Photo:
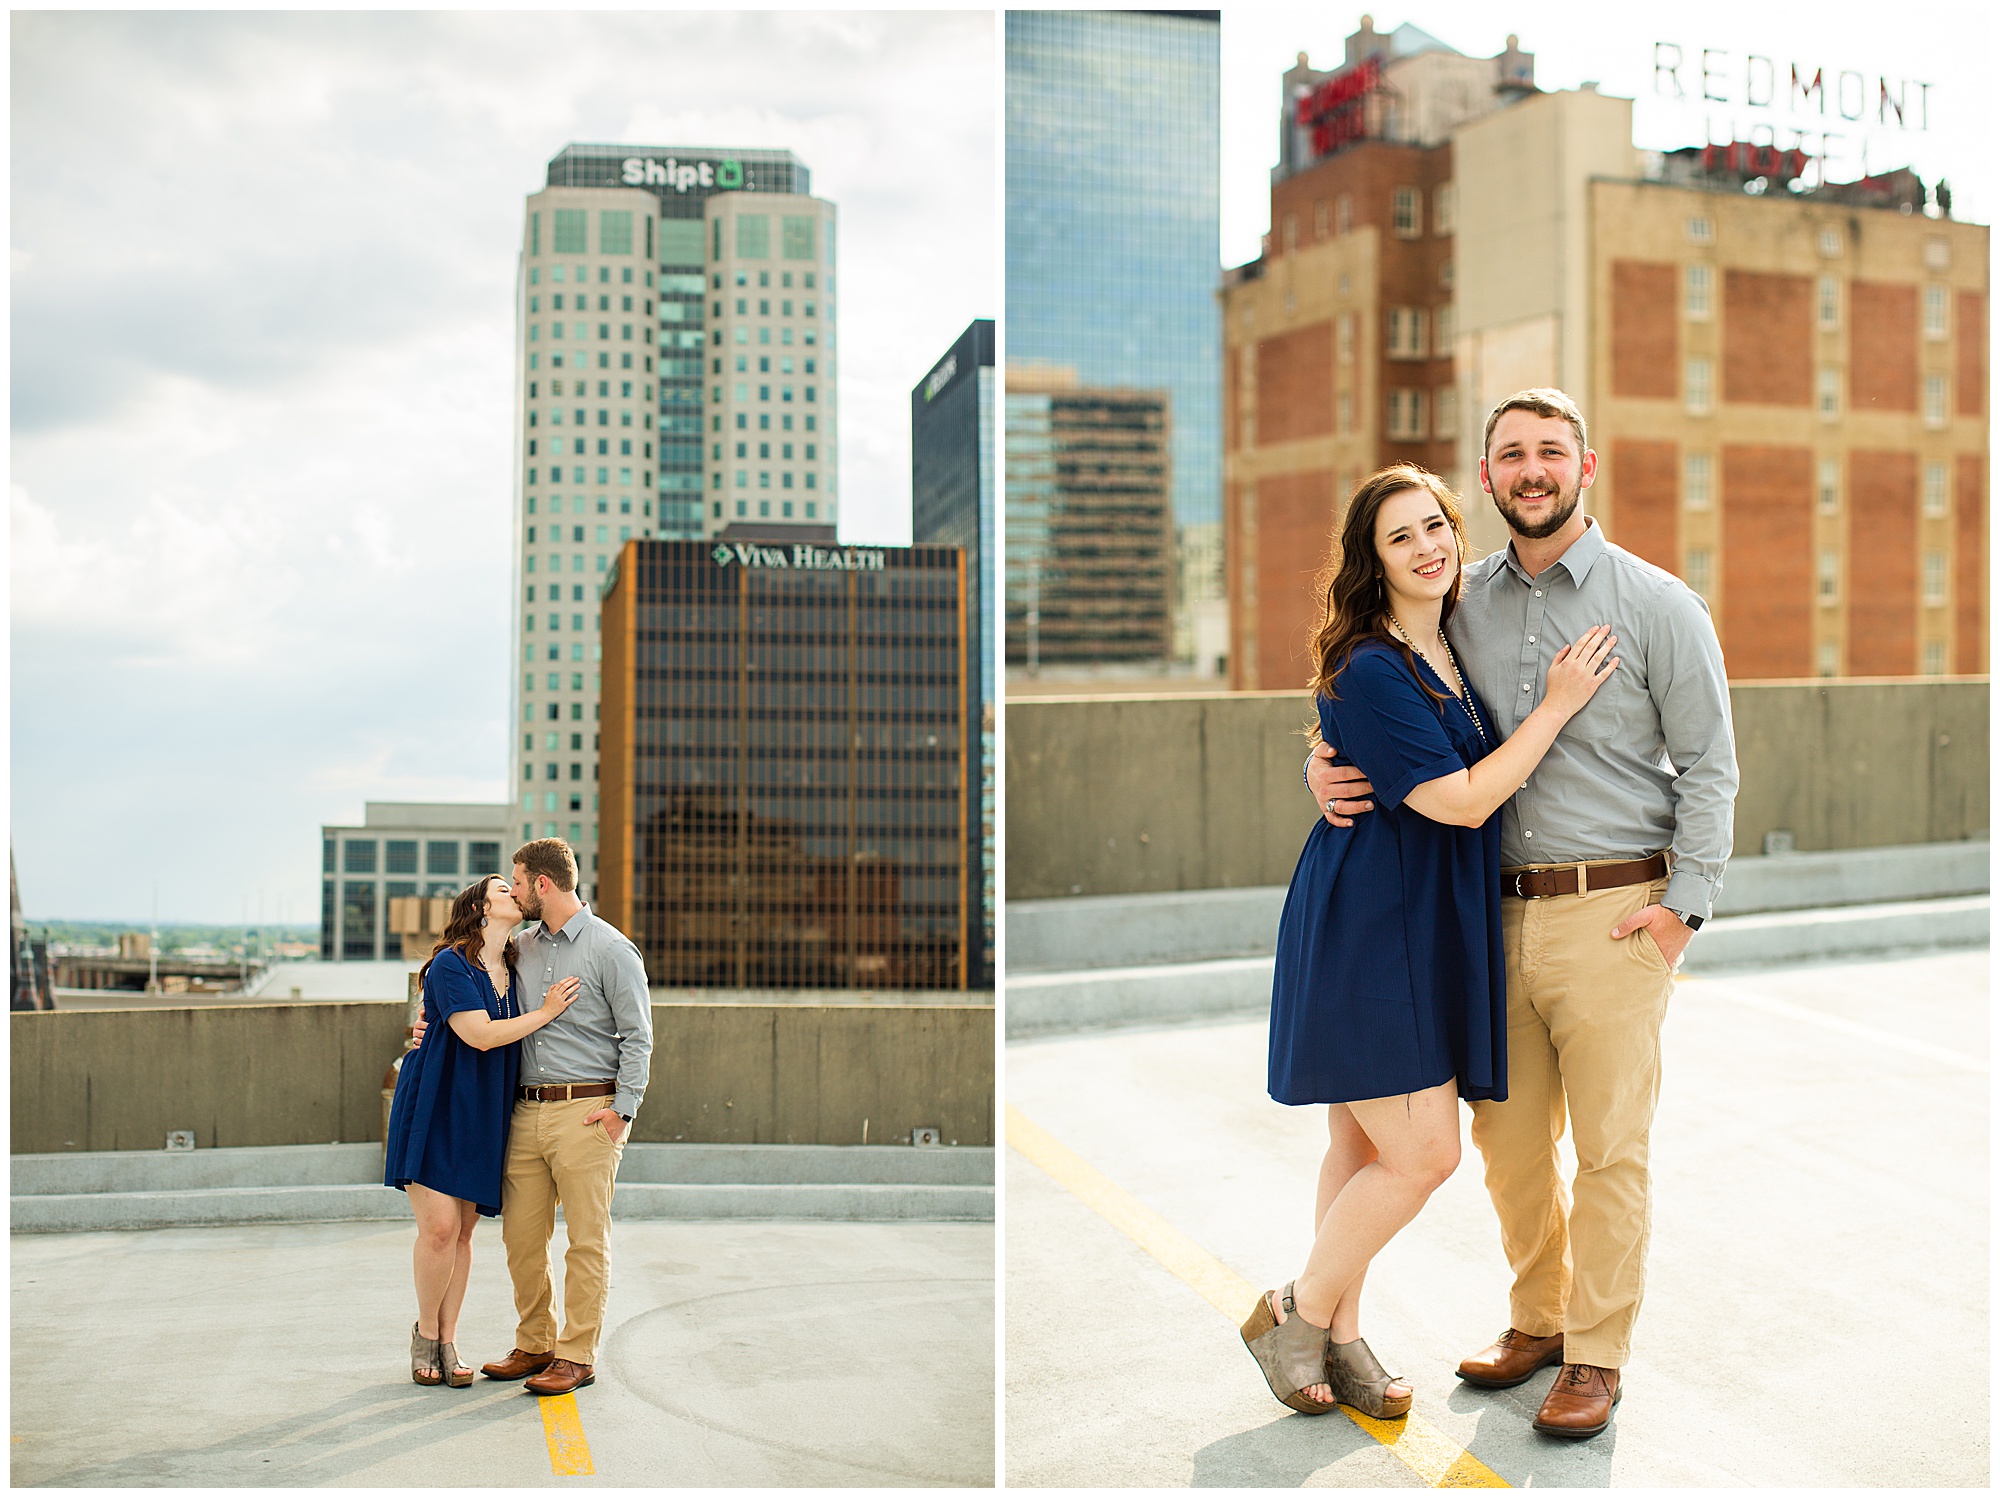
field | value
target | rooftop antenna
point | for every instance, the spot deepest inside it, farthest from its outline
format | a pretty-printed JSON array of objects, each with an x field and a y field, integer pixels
[{"x": 153, "y": 945}]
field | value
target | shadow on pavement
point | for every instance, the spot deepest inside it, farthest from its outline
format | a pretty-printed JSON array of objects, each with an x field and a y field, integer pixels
[
  {"x": 1282, "y": 1454},
  {"x": 315, "y": 1448}
]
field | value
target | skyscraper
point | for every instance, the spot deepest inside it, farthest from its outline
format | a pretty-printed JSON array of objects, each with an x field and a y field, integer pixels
[
  {"x": 1114, "y": 238},
  {"x": 674, "y": 376},
  {"x": 951, "y": 503}
]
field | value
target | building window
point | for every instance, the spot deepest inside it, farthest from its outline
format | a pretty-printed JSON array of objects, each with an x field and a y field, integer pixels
[
  {"x": 1829, "y": 658},
  {"x": 360, "y": 857},
  {"x": 1699, "y": 300},
  {"x": 1291, "y": 232},
  {"x": 1701, "y": 230},
  {"x": 1698, "y": 482},
  {"x": 1407, "y": 214},
  {"x": 1831, "y": 242},
  {"x": 1934, "y": 313},
  {"x": 357, "y": 916},
  {"x": 399, "y": 857},
  {"x": 1937, "y": 253},
  {"x": 1447, "y": 412},
  {"x": 1347, "y": 410},
  {"x": 1406, "y": 332},
  {"x": 1444, "y": 210},
  {"x": 1406, "y": 415},
  {"x": 569, "y": 232},
  {"x": 1933, "y": 657},
  {"x": 1322, "y": 219},
  {"x": 1344, "y": 337},
  {"x": 1699, "y": 562},
  {"x": 1829, "y": 578},
  {"x": 440, "y": 858},
  {"x": 1937, "y": 499},
  {"x": 1343, "y": 214},
  {"x": 1829, "y": 304},
  {"x": 1441, "y": 336},
  {"x": 1935, "y": 397},
  {"x": 1934, "y": 579},
  {"x": 1699, "y": 396},
  {"x": 1829, "y": 486},
  {"x": 1829, "y": 393}
]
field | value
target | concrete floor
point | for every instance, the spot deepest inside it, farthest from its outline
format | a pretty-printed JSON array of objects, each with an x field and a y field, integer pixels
[
  {"x": 1817, "y": 1306},
  {"x": 737, "y": 1354}
]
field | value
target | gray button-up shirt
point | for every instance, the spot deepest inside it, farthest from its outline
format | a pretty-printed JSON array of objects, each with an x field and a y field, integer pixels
[
  {"x": 607, "y": 1033},
  {"x": 1650, "y": 761}
]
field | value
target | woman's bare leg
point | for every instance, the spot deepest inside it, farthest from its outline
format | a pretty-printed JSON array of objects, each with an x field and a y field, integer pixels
[
  {"x": 461, "y": 1270},
  {"x": 1347, "y": 1150},
  {"x": 1415, "y": 1139},
  {"x": 436, "y": 1252}
]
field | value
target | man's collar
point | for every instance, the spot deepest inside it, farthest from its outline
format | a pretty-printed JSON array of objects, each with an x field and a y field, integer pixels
[
  {"x": 1581, "y": 556},
  {"x": 570, "y": 927}
]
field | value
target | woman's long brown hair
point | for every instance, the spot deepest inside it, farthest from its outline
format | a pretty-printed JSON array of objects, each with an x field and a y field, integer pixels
[
  {"x": 462, "y": 928},
  {"x": 1356, "y": 598}
]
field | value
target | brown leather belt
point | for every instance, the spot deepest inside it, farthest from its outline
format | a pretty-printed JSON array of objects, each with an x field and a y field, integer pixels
[
  {"x": 1576, "y": 878},
  {"x": 562, "y": 1092}
]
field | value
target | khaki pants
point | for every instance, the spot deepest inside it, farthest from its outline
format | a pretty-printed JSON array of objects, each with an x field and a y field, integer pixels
[
  {"x": 1583, "y": 1033},
  {"x": 554, "y": 1156}
]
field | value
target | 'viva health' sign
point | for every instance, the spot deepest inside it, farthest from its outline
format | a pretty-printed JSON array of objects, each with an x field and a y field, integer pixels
[
  {"x": 799, "y": 557},
  {"x": 681, "y": 176}
]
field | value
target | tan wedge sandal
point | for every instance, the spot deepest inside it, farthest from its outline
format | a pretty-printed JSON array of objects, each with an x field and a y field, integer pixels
[
  {"x": 456, "y": 1374},
  {"x": 1291, "y": 1352},
  {"x": 424, "y": 1358},
  {"x": 1360, "y": 1382}
]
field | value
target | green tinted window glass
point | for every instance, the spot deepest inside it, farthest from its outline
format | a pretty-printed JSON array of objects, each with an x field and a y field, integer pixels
[
  {"x": 680, "y": 241},
  {"x": 799, "y": 233},
  {"x": 326, "y": 856},
  {"x": 482, "y": 858},
  {"x": 753, "y": 236},
  {"x": 614, "y": 231},
  {"x": 718, "y": 240},
  {"x": 440, "y": 858},
  {"x": 649, "y": 237},
  {"x": 361, "y": 858},
  {"x": 569, "y": 231},
  {"x": 400, "y": 857},
  {"x": 534, "y": 234}
]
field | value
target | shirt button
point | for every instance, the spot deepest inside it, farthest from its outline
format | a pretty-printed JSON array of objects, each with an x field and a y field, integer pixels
[
  {"x": 1531, "y": 639},
  {"x": 1538, "y": 592},
  {"x": 1524, "y": 686},
  {"x": 1527, "y": 834}
]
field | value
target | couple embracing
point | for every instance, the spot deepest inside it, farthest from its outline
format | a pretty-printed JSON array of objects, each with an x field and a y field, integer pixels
[
  {"x": 508, "y": 1110},
  {"x": 1527, "y": 774}
]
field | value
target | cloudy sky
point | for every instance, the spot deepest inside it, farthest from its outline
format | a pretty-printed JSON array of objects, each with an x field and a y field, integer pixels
[{"x": 263, "y": 269}]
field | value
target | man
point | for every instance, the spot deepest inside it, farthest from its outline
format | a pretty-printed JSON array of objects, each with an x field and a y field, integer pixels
[
  {"x": 582, "y": 1078},
  {"x": 1640, "y": 783}
]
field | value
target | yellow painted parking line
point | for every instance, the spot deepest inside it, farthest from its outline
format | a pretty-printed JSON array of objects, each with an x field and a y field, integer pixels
[
  {"x": 1427, "y": 1451},
  {"x": 562, "y": 1424}
]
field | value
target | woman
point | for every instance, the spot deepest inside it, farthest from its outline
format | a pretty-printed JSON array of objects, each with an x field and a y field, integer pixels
[
  {"x": 454, "y": 1097},
  {"x": 1389, "y": 1001}
]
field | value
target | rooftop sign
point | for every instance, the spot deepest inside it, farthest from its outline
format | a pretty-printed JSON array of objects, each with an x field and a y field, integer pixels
[{"x": 799, "y": 557}]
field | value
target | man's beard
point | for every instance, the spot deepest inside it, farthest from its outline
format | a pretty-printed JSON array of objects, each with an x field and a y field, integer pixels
[
  {"x": 1560, "y": 510},
  {"x": 531, "y": 907}
]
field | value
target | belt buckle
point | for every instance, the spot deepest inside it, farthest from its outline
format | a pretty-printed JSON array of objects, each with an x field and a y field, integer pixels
[{"x": 1523, "y": 894}]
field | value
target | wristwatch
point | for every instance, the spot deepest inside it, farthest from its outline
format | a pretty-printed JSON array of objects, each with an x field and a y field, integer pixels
[{"x": 1692, "y": 922}]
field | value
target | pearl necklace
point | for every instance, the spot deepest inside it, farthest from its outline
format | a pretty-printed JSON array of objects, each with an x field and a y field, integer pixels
[{"x": 1464, "y": 692}]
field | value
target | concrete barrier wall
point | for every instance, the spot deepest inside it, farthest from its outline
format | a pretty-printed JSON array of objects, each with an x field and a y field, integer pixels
[
  {"x": 1129, "y": 795},
  {"x": 312, "y": 1074}
]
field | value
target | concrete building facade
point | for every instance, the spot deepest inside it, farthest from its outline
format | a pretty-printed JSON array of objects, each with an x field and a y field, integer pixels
[
  {"x": 674, "y": 375},
  {"x": 1778, "y": 380},
  {"x": 402, "y": 849}
]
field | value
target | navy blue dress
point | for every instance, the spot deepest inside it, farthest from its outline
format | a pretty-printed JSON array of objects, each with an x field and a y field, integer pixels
[
  {"x": 448, "y": 1123},
  {"x": 1390, "y": 973}
]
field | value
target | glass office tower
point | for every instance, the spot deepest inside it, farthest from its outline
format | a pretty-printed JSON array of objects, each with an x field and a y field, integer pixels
[
  {"x": 951, "y": 504},
  {"x": 1114, "y": 229}
]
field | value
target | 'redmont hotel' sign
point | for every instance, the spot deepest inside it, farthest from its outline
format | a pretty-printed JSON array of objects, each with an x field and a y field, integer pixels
[{"x": 799, "y": 557}]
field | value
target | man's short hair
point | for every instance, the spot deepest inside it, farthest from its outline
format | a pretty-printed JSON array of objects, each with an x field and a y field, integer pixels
[
  {"x": 1543, "y": 401},
  {"x": 551, "y": 856}
]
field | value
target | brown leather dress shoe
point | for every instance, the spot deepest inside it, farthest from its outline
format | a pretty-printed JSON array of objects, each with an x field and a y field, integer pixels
[
  {"x": 1580, "y": 1402},
  {"x": 1512, "y": 1360},
  {"x": 562, "y": 1377},
  {"x": 518, "y": 1364}
]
